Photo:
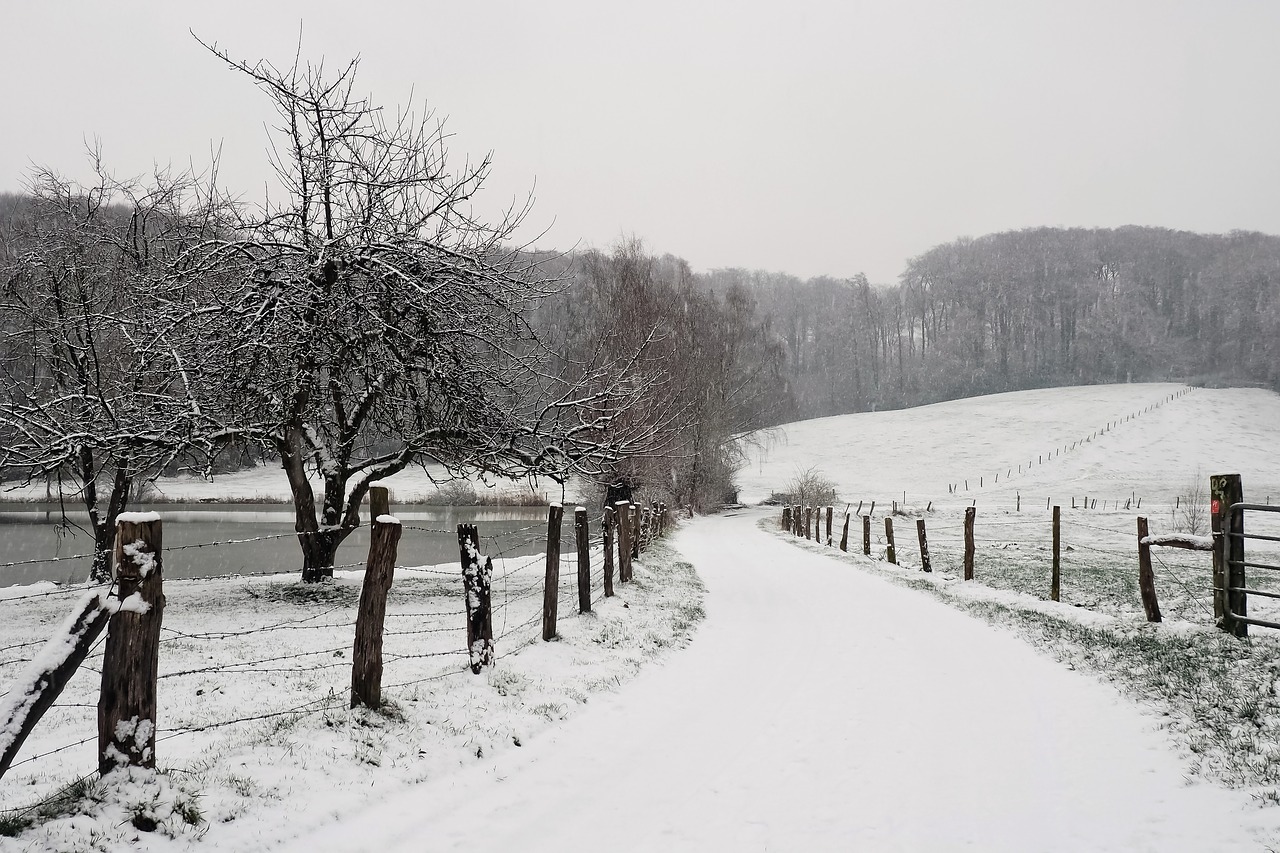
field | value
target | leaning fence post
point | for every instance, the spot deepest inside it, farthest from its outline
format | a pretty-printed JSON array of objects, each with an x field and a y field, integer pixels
[
  {"x": 890, "y": 553},
  {"x": 624, "y": 541},
  {"x": 366, "y": 655},
  {"x": 924, "y": 546},
  {"x": 583, "y": 534},
  {"x": 606, "y": 533},
  {"x": 551, "y": 589},
  {"x": 830, "y": 510},
  {"x": 866, "y": 535},
  {"x": 131, "y": 660},
  {"x": 844, "y": 534},
  {"x": 1146, "y": 578},
  {"x": 969, "y": 513},
  {"x": 1055, "y": 584},
  {"x": 477, "y": 583}
]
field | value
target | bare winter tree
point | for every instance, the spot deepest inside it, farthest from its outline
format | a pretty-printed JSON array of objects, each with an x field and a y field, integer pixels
[
  {"x": 91, "y": 393},
  {"x": 369, "y": 320}
]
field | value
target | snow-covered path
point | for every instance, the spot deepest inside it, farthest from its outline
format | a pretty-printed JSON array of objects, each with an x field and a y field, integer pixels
[{"x": 820, "y": 708}]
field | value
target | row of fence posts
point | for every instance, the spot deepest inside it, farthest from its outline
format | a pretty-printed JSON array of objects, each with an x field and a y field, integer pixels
[
  {"x": 807, "y": 522},
  {"x": 132, "y": 617}
]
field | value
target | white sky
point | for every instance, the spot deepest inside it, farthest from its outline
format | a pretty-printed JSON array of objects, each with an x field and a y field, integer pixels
[{"x": 806, "y": 137}]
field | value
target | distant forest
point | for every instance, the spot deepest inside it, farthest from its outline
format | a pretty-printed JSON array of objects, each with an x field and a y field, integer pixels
[{"x": 1027, "y": 309}]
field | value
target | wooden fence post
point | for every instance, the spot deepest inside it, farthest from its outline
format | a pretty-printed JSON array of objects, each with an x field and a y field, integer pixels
[
  {"x": 969, "y": 513},
  {"x": 379, "y": 569},
  {"x": 844, "y": 534},
  {"x": 830, "y": 510},
  {"x": 635, "y": 536},
  {"x": 379, "y": 502},
  {"x": 1055, "y": 584},
  {"x": 583, "y": 534},
  {"x": 924, "y": 546},
  {"x": 1146, "y": 578},
  {"x": 786, "y": 518},
  {"x": 551, "y": 587},
  {"x": 1225, "y": 490},
  {"x": 890, "y": 553},
  {"x": 131, "y": 660},
  {"x": 477, "y": 582},
  {"x": 606, "y": 532},
  {"x": 808, "y": 522},
  {"x": 866, "y": 535},
  {"x": 624, "y": 541}
]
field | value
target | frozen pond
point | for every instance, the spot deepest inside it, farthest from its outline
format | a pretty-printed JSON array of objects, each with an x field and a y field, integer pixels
[{"x": 30, "y": 532}]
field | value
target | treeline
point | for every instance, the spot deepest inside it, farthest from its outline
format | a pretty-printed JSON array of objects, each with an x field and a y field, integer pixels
[{"x": 1029, "y": 309}]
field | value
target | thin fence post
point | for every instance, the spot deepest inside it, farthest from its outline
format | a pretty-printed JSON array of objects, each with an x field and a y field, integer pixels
[
  {"x": 624, "y": 541},
  {"x": 844, "y": 534},
  {"x": 583, "y": 534},
  {"x": 551, "y": 587},
  {"x": 1055, "y": 584},
  {"x": 969, "y": 513},
  {"x": 379, "y": 570},
  {"x": 866, "y": 535},
  {"x": 131, "y": 660},
  {"x": 830, "y": 510},
  {"x": 1146, "y": 578},
  {"x": 890, "y": 552},
  {"x": 606, "y": 533},
  {"x": 924, "y": 546},
  {"x": 477, "y": 581}
]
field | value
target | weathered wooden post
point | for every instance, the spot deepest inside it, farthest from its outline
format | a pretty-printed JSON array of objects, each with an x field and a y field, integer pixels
[
  {"x": 969, "y": 513},
  {"x": 1226, "y": 490},
  {"x": 830, "y": 511},
  {"x": 1146, "y": 578},
  {"x": 786, "y": 518},
  {"x": 551, "y": 587},
  {"x": 477, "y": 582},
  {"x": 131, "y": 660},
  {"x": 366, "y": 653},
  {"x": 646, "y": 527},
  {"x": 844, "y": 534},
  {"x": 606, "y": 532},
  {"x": 635, "y": 536},
  {"x": 1055, "y": 584},
  {"x": 583, "y": 534},
  {"x": 808, "y": 522},
  {"x": 890, "y": 553},
  {"x": 924, "y": 546},
  {"x": 624, "y": 541},
  {"x": 866, "y": 535},
  {"x": 379, "y": 502}
]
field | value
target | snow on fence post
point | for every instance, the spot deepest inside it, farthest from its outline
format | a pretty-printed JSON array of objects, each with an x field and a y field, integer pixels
[
  {"x": 969, "y": 513},
  {"x": 582, "y": 533},
  {"x": 844, "y": 534},
  {"x": 646, "y": 527},
  {"x": 808, "y": 522},
  {"x": 890, "y": 553},
  {"x": 607, "y": 522},
  {"x": 477, "y": 583},
  {"x": 830, "y": 510},
  {"x": 866, "y": 535},
  {"x": 1055, "y": 583},
  {"x": 366, "y": 651},
  {"x": 624, "y": 541},
  {"x": 39, "y": 686},
  {"x": 1146, "y": 578},
  {"x": 797, "y": 519},
  {"x": 786, "y": 517},
  {"x": 131, "y": 659},
  {"x": 551, "y": 587},
  {"x": 925, "y": 565},
  {"x": 1225, "y": 490}
]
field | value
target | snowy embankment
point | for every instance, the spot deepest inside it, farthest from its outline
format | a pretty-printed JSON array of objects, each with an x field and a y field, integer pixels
[
  {"x": 820, "y": 708},
  {"x": 255, "y": 735}
]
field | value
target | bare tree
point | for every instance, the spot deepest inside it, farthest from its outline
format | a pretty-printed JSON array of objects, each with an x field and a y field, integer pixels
[{"x": 369, "y": 320}]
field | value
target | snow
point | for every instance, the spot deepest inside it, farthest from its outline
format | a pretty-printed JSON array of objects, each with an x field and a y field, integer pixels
[
  {"x": 867, "y": 718},
  {"x": 387, "y": 519},
  {"x": 138, "y": 517}
]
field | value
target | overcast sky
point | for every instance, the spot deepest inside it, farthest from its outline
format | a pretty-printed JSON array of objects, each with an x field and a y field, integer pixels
[{"x": 815, "y": 138}]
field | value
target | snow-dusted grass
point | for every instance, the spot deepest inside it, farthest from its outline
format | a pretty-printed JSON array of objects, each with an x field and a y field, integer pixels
[{"x": 273, "y": 655}]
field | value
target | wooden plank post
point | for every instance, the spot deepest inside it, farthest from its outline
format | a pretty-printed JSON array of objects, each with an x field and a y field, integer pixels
[
  {"x": 1146, "y": 578},
  {"x": 131, "y": 660},
  {"x": 1224, "y": 491},
  {"x": 39, "y": 686},
  {"x": 582, "y": 532},
  {"x": 551, "y": 586},
  {"x": 924, "y": 546},
  {"x": 866, "y": 535},
  {"x": 969, "y": 513},
  {"x": 830, "y": 511},
  {"x": 607, "y": 524},
  {"x": 1055, "y": 583},
  {"x": 477, "y": 580},
  {"x": 844, "y": 534},
  {"x": 890, "y": 553},
  {"x": 366, "y": 654},
  {"x": 624, "y": 541}
]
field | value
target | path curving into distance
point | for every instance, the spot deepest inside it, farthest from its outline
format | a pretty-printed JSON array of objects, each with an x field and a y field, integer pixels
[{"x": 823, "y": 709}]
